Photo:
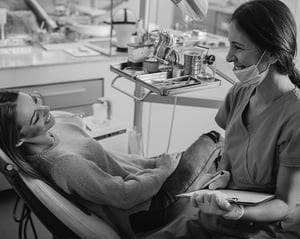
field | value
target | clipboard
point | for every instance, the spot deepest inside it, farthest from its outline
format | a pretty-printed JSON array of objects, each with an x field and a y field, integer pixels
[{"x": 238, "y": 196}]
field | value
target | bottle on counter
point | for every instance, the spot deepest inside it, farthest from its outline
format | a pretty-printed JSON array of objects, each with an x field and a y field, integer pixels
[{"x": 102, "y": 111}]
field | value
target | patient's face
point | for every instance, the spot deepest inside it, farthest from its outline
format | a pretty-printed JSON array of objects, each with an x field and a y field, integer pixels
[{"x": 33, "y": 119}]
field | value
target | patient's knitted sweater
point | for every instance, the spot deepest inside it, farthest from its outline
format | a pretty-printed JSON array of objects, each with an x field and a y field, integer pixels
[{"x": 112, "y": 185}]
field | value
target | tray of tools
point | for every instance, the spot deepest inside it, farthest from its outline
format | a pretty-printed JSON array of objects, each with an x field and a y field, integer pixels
[{"x": 160, "y": 82}]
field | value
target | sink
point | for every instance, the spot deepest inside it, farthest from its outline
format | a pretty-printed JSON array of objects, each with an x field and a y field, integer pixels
[{"x": 103, "y": 45}]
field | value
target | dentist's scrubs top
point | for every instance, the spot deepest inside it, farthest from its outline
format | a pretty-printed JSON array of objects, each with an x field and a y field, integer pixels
[{"x": 254, "y": 152}]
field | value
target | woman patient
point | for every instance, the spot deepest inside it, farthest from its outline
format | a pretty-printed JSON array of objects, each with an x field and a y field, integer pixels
[{"x": 130, "y": 192}]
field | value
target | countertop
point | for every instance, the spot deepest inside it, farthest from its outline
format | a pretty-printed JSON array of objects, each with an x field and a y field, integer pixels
[
  {"x": 35, "y": 55},
  {"x": 34, "y": 65}
]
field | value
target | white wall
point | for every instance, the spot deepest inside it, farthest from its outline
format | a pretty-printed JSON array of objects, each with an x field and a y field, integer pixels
[{"x": 294, "y": 5}]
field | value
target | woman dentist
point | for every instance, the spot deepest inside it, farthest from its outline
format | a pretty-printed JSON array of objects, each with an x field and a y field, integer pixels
[{"x": 261, "y": 119}]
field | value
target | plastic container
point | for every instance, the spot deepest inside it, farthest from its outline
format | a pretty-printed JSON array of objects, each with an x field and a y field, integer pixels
[
  {"x": 124, "y": 22},
  {"x": 101, "y": 111},
  {"x": 138, "y": 52}
]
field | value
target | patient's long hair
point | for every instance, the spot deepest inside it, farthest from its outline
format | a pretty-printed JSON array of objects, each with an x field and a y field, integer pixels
[{"x": 9, "y": 131}]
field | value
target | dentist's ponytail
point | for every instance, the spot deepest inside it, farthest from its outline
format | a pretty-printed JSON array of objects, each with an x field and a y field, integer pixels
[{"x": 295, "y": 76}]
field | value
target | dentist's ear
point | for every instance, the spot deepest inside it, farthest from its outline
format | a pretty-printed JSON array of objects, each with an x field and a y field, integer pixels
[{"x": 271, "y": 58}]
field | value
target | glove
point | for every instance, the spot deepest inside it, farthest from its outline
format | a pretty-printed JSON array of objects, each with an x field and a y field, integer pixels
[
  {"x": 216, "y": 203},
  {"x": 221, "y": 182}
]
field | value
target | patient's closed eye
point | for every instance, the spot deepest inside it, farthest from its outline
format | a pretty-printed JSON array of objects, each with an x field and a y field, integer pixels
[
  {"x": 37, "y": 99},
  {"x": 35, "y": 117}
]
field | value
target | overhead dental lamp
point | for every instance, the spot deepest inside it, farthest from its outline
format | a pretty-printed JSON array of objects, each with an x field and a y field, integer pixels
[{"x": 195, "y": 9}]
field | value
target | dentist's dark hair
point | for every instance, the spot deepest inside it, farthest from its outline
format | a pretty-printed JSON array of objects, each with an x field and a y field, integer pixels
[
  {"x": 272, "y": 27},
  {"x": 9, "y": 131}
]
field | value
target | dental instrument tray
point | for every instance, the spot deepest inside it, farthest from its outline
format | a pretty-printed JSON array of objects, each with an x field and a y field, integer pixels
[{"x": 159, "y": 82}]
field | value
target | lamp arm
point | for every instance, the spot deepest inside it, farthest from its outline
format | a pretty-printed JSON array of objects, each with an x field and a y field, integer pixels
[{"x": 195, "y": 9}]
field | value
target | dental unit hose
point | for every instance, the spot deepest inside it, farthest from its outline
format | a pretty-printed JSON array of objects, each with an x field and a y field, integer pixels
[{"x": 172, "y": 124}]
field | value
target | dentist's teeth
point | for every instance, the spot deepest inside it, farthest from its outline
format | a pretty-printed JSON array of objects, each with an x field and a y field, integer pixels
[
  {"x": 48, "y": 118},
  {"x": 238, "y": 67}
]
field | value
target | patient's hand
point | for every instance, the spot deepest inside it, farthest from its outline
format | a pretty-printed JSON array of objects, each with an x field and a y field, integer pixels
[{"x": 168, "y": 162}]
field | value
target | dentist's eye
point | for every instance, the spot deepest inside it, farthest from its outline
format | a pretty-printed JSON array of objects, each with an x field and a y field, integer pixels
[{"x": 237, "y": 47}]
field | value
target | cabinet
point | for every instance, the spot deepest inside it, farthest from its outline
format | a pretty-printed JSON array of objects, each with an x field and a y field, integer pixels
[
  {"x": 222, "y": 23},
  {"x": 76, "y": 97},
  {"x": 216, "y": 20}
]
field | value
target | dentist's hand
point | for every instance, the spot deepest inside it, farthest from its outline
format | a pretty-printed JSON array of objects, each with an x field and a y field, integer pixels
[
  {"x": 216, "y": 203},
  {"x": 221, "y": 182}
]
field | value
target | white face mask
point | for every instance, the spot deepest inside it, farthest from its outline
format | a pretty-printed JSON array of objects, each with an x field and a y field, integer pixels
[{"x": 250, "y": 75}]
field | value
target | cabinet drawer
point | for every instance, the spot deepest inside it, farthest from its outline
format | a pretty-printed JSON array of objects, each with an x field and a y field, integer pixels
[
  {"x": 72, "y": 94},
  {"x": 222, "y": 23}
]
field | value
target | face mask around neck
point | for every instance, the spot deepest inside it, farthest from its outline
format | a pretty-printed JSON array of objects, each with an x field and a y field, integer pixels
[{"x": 251, "y": 75}]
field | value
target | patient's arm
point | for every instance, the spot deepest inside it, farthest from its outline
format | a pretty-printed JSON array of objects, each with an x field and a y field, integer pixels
[
  {"x": 85, "y": 178},
  {"x": 136, "y": 160}
]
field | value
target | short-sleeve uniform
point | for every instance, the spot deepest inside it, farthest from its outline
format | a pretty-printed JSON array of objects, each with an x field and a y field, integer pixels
[{"x": 254, "y": 152}]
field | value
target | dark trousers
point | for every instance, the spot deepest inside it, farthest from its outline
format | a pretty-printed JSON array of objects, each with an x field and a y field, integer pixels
[{"x": 197, "y": 160}]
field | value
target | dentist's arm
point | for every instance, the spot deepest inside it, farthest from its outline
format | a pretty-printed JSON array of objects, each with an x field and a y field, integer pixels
[{"x": 287, "y": 195}]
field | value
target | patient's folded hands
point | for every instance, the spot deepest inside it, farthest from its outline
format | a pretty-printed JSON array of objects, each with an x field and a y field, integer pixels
[
  {"x": 168, "y": 162},
  {"x": 216, "y": 203}
]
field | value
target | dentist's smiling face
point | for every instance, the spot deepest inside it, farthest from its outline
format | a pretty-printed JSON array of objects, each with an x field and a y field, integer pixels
[
  {"x": 242, "y": 51},
  {"x": 33, "y": 119}
]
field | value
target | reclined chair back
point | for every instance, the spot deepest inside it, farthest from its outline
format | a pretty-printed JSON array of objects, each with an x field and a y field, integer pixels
[{"x": 63, "y": 218}]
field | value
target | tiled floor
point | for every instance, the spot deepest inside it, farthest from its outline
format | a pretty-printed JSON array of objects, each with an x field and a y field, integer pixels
[{"x": 8, "y": 227}]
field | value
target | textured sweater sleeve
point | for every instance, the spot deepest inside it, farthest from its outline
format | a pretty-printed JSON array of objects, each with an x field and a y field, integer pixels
[{"x": 77, "y": 175}]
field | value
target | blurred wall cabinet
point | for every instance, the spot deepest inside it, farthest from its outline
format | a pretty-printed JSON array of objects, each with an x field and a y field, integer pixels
[
  {"x": 218, "y": 16},
  {"x": 216, "y": 21},
  {"x": 76, "y": 97}
]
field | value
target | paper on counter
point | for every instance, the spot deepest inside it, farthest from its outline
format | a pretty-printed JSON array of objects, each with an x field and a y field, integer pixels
[{"x": 82, "y": 51}]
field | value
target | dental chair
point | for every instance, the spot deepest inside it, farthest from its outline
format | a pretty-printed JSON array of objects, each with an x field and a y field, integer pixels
[{"x": 62, "y": 217}]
